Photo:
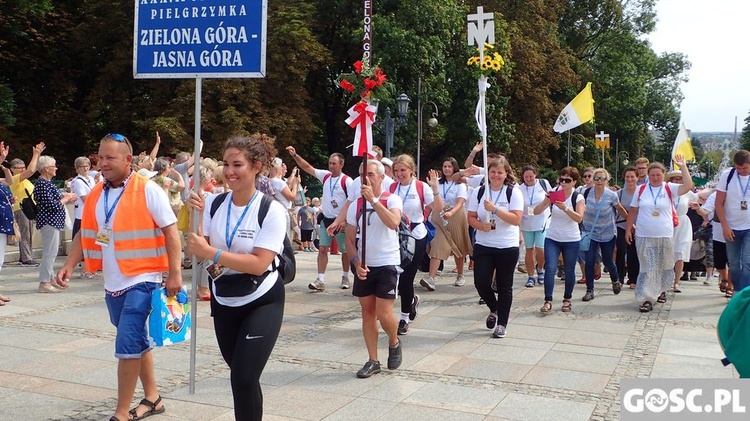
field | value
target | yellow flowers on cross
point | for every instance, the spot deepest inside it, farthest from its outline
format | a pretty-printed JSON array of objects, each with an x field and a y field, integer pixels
[{"x": 492, "y": 61}]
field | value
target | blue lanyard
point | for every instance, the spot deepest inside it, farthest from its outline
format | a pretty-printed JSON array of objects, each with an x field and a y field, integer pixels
[
  {"x": 531, "y": 195},
  {"x": 230, "y": 239},
  {"x": 498, "y": 195},
  {"x": 739, "y": 183},
  {"x": 452, "y": 183},
  {"x": 108, "y": 212},
  {"x": 657, "y": 193},
  {"x": 407, "y": 192},
  {"x": 332, "y": 185}
]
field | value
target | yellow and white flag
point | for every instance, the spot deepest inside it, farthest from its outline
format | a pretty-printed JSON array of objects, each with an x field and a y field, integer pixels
[
  {"x": 580, "y": 110},
  {"x": 682, "y": 146}
]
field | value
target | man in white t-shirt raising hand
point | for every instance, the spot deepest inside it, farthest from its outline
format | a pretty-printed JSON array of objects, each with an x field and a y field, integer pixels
[
  {"x": 376, "y": 280},
  {"x": 335, "y": 186},
  {"x": 732, "y": 201}
]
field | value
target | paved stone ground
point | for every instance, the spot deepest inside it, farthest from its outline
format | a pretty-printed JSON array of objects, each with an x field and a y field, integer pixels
[{"x": 57, "y": 362}]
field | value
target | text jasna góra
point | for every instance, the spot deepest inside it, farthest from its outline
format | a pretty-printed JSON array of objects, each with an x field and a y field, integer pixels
[{"x": 218, "y": 41}]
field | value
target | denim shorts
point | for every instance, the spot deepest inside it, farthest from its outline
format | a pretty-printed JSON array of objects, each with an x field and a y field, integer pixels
[
  {"x": 128, "y": 312},
  {"x": 534, "y": 239}
]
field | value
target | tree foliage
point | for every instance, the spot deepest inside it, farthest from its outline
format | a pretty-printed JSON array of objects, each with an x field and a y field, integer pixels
[{"x": 66, "y": 78}]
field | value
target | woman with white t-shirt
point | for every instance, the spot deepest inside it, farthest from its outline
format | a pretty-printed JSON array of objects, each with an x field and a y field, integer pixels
[
  {"x": 496, "y": 217},
  {"x": 563, "y": 236},
  {"x": 652, "y": 211},
  {"x": 719, "y": 248},
  {"x": 534, "y": 227},
  {"x": 81, "y": 186},
  {"x": 408, "y": 188},
  {"x": 285, "y": 192},
  {"x": 451, "y": 228},
  {"x": 247, "y": 297}
]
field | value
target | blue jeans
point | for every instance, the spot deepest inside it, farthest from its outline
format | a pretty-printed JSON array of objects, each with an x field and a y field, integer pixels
[
  {"x": 552, "y": 250},
  {"x": 738, "y": 253},
  {"x": 607, "y": 247}
]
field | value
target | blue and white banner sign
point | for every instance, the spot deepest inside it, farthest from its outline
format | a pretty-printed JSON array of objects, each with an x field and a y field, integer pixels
[{"x": 199, "y": 39}]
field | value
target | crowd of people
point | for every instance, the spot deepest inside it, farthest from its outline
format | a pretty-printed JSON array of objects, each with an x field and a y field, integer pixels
[{"x": 650, "y": 234}]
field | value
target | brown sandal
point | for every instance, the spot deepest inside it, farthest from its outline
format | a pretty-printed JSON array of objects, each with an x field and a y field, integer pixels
[
  {"x": 646, "y": 307},
  {"x": 723, "y": 285},
  {"x": 152, "y": 409},
  {"x": 567, "y": 305},
  {"x": 547, "y": 307},
  {"x": 729, "y": 293}
]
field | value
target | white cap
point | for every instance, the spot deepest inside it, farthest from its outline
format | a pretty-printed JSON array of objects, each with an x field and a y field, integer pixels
[
  {"x": 387, "y": 161},
  {"x": 146, "y": 173}
]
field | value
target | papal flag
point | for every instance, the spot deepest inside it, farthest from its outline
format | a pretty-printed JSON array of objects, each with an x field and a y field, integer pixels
[
  {"x": 682, "y": 146},
  {"x": 580, "y": 110}
]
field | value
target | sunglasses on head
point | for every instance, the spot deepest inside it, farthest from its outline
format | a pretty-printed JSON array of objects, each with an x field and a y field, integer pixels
[
  {"x": 565, "y": 180},
  {"x": 119, "y": 138},
  {"x": 600, "y": 179}
]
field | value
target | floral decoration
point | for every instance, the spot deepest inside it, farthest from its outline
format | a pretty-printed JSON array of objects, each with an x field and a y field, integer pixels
[
  {"x": 365, "y": 82},
  {"x": 492, "y": 62}
]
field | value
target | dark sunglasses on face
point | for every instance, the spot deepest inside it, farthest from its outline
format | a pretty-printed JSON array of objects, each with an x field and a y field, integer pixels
[
  {"x": 587, "y": 176},
  {"x": 565, "y": 180},
  {"x": 600, "y": 179}
]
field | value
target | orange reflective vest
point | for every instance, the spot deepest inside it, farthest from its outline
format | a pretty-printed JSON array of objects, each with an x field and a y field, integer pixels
[{"x": 140, "y": 245}]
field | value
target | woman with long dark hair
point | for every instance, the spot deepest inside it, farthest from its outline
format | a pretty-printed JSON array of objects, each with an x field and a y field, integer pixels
[{"x": 247, "y": 296}]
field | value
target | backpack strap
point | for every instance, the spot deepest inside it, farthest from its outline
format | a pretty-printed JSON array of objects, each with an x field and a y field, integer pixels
[
  {"x": 420, "y": 192},
  {"x": 586, "y": 193},
  {"x": 480, "y": 193},
  {"x": 545, "y": 185},
  {"x": 509, "y": 192},
  {"x": 392, "y": 188},
  {"x": 729, "y": 177},
  {"x": 216, "y": 203}
]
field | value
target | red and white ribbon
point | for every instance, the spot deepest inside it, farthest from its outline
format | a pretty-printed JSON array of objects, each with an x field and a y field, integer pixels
[{"x": 361, "y": 117}]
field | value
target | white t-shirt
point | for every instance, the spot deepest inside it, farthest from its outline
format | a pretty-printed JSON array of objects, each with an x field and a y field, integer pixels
[
  {"x": 334, "y": 196},
  {"x": 278, "y": 187},
  {"x": 382, "y": 242},
  {"x": 451, "y": 192},
  {"x": 413, "y": 206},
  {"x": 654, "y": 200},
  {"x": 249, "y": 235},
  {"x": 710, "y": 205},
  {"x": 81, "y": 186},
  {"x": 561, "y": 227},
  {"x": 161, "y": 212},
  {"x": 504, "y": 235},
  {"x": 737, "y": 192},
  {"x": 355, "y": 192},
  {"x": 532, "y": 196},
  {"x": 475, "y": 180}
]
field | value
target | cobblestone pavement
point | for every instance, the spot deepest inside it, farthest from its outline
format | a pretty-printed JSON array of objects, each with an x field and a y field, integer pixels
[{"x": 57, "y": 362}]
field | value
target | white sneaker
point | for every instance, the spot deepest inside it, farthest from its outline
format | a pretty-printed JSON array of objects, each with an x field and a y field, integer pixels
[
  {"x": 428, "y": 282},
  {"x": 345, "y": 284},
  {"x": 460, "y": 281},
  {"x": 317, "y": 285}
]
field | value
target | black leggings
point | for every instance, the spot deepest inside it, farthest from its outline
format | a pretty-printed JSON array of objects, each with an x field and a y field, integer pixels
[
  {"x": 406, "y": 280},
  {"x": 501, "y": 262},
  {"x": 249, "y": 332},
  {"x": 623, "y": 249}
]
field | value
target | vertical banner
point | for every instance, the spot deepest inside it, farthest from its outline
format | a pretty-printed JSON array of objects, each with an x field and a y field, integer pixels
[
  {"x": 208, "y": 39},
  {"x": 367, "y": 30}
]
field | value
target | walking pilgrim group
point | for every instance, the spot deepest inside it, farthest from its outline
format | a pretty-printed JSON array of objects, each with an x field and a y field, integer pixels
[{"x": 640, "y": 233}]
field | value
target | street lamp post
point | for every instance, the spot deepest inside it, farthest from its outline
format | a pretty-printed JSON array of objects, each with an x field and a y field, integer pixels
[
  {"x": 402, "y": 108},
  {"x": 432, "y": 122}
]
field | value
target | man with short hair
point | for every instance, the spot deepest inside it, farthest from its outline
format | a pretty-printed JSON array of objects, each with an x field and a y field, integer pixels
[
  {"x": 132, "y": 254},
  {"x": 335, "y": 186},
  {"x": 376, "y": 279},
  {"x": 641, "y": 169},
  {"x": 732, "y": 202}
]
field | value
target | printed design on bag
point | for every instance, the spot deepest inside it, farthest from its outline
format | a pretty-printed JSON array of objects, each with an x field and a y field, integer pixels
[{"x": 178, "y": 312}]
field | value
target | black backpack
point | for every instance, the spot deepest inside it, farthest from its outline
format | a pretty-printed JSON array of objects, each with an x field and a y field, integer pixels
[
  {"x": 287, "y": 265},
  {"x": 28, "y": 206},
  {"x": 508, "y": 192}
]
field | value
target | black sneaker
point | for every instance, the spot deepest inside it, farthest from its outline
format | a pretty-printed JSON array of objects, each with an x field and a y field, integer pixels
[
  {"x": 684, "y": 276},
  {"x": 30, "y": 263},
  {"x": 491, "y": 320},
  {"x": 588, "y": 296},
  {"x": 414, "y": 305},
  {"x": 403, "y": 327},
  {"x": 394, "y": 356},
  {"x": 616, "y": 287},
  {"x": 371, "y": 367}
]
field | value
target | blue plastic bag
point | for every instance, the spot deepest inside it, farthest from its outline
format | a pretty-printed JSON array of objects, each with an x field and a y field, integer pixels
[{"x": 169, "y": 322}]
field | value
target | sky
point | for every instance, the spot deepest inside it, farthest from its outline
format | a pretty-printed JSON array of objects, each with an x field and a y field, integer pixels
[{"x": 715, "y": 36}]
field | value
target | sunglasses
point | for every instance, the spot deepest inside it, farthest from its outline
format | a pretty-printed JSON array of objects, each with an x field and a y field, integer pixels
[
  {"x": 119, "y": 138},
  {"x": 565, "y": 180},
  {"x": 600, "y": 179},
  {"x": 587, "y": 176}
]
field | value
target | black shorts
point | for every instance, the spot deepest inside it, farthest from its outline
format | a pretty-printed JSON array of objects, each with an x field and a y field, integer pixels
[
  {"x": 381, "y": 282},
  {"x": 305, "y": 235},
  {"x": 720, "y": 255}
]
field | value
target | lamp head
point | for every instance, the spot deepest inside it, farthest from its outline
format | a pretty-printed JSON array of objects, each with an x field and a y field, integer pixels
[
  {"x": 402, "y": 102},
  {"x": 432, "y": 122}
]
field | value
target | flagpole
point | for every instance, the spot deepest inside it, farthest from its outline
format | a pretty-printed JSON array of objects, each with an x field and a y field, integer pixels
[{"x": 568, "y": 147}]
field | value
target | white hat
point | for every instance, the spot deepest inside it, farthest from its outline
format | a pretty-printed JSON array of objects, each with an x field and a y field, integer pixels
[
  {"x": 387, "y": 161},
  {"x": 672, "y": 174},
  {"x": 146, "y": 173}
]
